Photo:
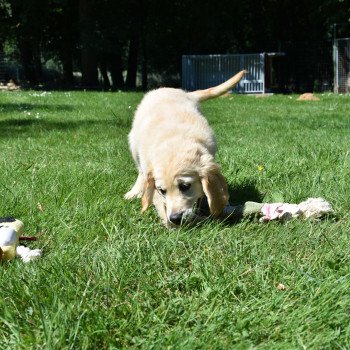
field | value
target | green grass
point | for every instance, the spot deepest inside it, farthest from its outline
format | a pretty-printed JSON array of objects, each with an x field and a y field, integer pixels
[{"x": 112, "y": 278}]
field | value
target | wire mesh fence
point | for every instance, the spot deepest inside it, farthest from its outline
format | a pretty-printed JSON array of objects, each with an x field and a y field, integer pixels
[
  {"x": 342, "y": 65},
  {"x": 308, "y": 66},
  {"x": 296, "y": 67}
]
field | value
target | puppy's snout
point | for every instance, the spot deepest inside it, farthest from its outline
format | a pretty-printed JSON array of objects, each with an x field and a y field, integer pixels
[{"x": 176, "y": 218}]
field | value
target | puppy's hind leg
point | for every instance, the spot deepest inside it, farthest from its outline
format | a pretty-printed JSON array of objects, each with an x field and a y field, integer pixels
[{"x": 137, "y": 189}]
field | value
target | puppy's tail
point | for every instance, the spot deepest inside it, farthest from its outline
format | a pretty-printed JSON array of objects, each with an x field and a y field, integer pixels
[{"x": 216, "y": 91}]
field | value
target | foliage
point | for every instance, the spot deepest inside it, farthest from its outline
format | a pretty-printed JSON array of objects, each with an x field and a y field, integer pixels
[{"x": 151, "y": 35}]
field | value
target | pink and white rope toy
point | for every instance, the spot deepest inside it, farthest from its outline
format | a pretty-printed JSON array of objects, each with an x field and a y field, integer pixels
[{"x": 312, "y": 208}]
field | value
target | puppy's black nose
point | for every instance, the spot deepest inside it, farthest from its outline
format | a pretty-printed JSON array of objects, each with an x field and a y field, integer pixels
[{"x": 176, "y": 218}]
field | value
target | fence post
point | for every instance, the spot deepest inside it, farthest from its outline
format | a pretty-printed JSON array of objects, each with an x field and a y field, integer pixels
[
  {"x": 2, "y": 67},
  {"x": 335, "y": 66},
  {"x": 263, "y": 70}
]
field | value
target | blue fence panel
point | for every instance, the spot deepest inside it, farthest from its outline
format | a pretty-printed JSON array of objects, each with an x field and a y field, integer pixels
[{"x": 204, "y": 71}]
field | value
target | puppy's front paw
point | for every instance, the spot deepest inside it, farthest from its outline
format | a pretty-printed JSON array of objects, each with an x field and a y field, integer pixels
[
  {"x": 129, "y": 195},
  {"x": 132, "y": 195}
]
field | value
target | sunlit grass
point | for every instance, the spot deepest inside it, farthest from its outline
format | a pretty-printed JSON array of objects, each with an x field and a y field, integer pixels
[{"x": 113, "y": 278}]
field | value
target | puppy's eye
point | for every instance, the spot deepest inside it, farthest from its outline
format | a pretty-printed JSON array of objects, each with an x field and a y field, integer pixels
[
  {"x": 162, "y": 192},
  {"x": 183, "y": 187}
]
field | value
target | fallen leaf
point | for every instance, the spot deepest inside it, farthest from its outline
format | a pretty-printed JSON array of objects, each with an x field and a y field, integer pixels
[
  {"x": 40, "y": 207},
  {"x": 281, "y": 286}
]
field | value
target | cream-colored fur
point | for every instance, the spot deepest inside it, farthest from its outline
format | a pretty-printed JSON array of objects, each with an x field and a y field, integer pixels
[{"x": 173, "y": 148}]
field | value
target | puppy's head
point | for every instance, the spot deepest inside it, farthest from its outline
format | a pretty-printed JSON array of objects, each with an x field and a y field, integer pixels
[{"x": 181, "y": 186}]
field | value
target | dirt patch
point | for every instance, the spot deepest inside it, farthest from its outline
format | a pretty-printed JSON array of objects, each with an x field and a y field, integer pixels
[{"x": 308, "y": 97}]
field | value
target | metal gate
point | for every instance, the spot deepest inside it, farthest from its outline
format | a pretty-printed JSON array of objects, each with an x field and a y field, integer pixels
[
  {"x": 204, "y": 71},
  {"x": 341, "y": 61}
]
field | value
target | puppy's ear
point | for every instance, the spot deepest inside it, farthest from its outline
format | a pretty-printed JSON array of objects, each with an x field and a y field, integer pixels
[
  {"x": 148, "y": 191},
  {"x": 215, "y": 188}
]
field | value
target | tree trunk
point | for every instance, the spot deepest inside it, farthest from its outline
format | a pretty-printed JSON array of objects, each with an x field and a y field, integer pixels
[
  {"x": 38, "y": 67},
  {"x": 103, "y": 69},
  {"x": 66, "y": 58},
  {"x": 89, "y": 67},
  {"x": 116, "y": 69},
  {"x": 144, "y": 65},
  {"x": 88, "y": 51},
  {"x": 132, "y": 61},
  {"x": 67, "y": 45},
  {"x": 25, "y": 46},
  {"x": 26, "y": 54}
]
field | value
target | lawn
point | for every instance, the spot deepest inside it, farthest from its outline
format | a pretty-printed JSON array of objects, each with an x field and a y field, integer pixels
[{"x": 112, "y": 278}]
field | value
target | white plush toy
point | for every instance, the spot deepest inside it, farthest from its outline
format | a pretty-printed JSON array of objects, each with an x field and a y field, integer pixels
[{"x": 11, "y": 230}]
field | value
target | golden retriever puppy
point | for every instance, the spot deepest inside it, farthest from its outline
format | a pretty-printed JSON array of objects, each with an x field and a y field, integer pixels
[{"x": 173, "y": 148}]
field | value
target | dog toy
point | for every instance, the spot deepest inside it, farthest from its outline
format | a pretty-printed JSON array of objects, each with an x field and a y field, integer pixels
[
  {"x": 312, "y": 208},
  {"x": 11, "y": 230}
]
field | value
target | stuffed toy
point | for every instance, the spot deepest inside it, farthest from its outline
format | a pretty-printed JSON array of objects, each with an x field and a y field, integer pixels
[{"x": 11, "y": 231}]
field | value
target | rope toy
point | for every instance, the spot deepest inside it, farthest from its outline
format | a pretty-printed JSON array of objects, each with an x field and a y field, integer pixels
[{"x": 312, "y": 208}]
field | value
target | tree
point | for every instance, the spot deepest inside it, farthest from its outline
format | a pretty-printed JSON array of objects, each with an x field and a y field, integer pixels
[
  {"x": 88, "y": 43},
  {"x": 149, "y": 36},
  {"x": 29, "y": 21}
]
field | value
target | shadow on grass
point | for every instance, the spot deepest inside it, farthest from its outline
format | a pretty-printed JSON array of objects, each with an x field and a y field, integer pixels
[
  {"x": 21, "y": 107},
  {"x": 24, "y": 123},
  {"x": 244, "y": 192},
  {"x": 239, "y": 195},
  {"x": 30, "y": 127}
]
